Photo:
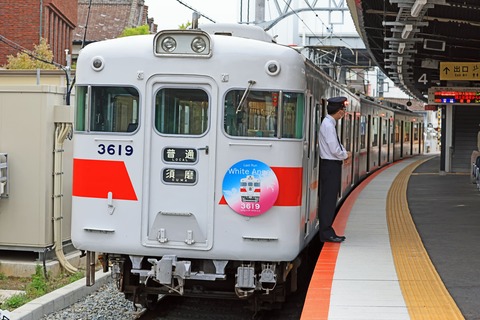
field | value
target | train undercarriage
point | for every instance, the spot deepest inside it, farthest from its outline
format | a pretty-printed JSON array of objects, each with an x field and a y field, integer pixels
[{"x": 144, "y": 280}]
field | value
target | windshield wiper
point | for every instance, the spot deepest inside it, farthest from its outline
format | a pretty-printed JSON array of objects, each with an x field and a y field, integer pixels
[{"x": 245, "y": 94}]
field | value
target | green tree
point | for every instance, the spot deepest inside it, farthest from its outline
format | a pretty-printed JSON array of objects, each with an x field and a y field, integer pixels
[
  {"x": 184, "y": 26},
  {"x": 127, "y": 32},
  {"x": 25, "y": 61}
]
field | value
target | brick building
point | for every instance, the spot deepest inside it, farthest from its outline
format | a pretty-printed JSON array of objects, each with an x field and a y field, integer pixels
[
  {"x": 106, "y": 19},
  {"x": 24, "y": 22}
]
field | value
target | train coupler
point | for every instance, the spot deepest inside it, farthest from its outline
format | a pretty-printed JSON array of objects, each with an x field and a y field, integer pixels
[
  {"x": 268, "y": 277},
  {"x": 246, "y": 281}
]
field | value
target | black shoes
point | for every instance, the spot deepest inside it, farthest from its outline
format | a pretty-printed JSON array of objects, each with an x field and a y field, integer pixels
[{"x": 334, "y": 239}]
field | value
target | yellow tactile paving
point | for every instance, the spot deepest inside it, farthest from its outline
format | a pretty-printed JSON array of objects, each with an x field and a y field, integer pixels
[{"x": 423, "y": 290}]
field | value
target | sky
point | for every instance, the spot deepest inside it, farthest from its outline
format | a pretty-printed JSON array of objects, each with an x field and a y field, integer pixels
[{"x": 169, "y": 14}]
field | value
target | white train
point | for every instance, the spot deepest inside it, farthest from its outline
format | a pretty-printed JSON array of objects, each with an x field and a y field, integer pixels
[{"x": 168, "y": 126}]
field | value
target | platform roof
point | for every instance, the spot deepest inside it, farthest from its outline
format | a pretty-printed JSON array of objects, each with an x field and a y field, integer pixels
[{"x": 410, "y": 40}]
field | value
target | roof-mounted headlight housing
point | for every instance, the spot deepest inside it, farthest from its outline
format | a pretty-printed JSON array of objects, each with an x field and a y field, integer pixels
[{"x": 186, "y": 43}]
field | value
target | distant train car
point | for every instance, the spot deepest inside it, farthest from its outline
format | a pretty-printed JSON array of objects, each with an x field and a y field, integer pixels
[{"x": 196, "y": 160}]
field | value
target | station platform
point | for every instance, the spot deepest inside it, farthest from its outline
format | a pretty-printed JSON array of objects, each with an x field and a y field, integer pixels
[{"x": 411, "y": 248}]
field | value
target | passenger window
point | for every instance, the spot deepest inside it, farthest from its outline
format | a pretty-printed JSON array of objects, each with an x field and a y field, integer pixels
[
  {"x": 348, "y": 133},
  {"x": 256, "y": 115},
  {"x": 384, "y": 132},
  {"x": 415, "y": 131},
  {"x": 363, "y": 132},
  {"x": 407, "y": 132},
  {"x": 392, "y": 131},
  {"x": 81, "y": 107},
  {"x": 292, "y": 115},
  {"x": 181, "y": 111},
  {"x": 397, "y": 131},
  {"x": 112, "y": 109},
  {"x": 375, "y": 131}
]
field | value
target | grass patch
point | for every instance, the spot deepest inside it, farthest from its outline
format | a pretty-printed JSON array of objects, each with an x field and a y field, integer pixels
[{"x": 35, "y": 286}]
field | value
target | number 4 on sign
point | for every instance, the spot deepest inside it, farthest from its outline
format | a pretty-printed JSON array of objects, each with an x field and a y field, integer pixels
[
  {"x": 423, "y": 79},
  {"x": 4, "y": 315}
]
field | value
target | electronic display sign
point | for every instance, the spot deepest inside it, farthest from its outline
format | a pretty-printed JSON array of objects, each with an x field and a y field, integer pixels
[{"x": 454, "y": 95}]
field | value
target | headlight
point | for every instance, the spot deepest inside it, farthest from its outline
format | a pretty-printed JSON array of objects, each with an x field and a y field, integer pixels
[
  {"x": 169, "y": 44},
  {"x": 182, "y": 43},
  {"x": 198, "y": 44}
]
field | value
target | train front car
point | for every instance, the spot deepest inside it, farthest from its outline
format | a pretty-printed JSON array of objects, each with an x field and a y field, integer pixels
[{"x": 191, "y": 161}]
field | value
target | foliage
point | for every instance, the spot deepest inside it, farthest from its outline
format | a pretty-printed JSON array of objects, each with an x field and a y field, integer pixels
[
  {"x": 26, "y": 62},
  {"x": 184, "y": 26},
  {"x": 38, "y": 286},
  {"x": 76, "y": 276},
  {"x": 15, "y": 301},
  {"x": 2, "y": 276},
  {"x": 127, "y": 32}
]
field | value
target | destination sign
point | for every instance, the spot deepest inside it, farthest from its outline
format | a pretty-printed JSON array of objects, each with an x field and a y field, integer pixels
[
  {"x": 454, "y": 95},
  {"x": 459, "y": 70},
  {"x": 179, "y": 176},
  {"x": 179, "y": 155}
]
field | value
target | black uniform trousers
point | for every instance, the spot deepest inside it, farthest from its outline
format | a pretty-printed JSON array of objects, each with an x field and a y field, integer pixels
[{"x": 330, "y": 183}]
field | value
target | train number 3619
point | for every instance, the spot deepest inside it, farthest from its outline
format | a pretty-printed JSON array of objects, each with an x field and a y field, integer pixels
[{"x": 113, "y": 149}]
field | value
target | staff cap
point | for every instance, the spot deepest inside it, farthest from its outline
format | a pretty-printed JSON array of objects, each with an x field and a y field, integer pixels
[{"x": 335, "y": 104}]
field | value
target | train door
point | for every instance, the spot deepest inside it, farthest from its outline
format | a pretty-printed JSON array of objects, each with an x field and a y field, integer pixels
[
  {"x": 415, "y": 137},
  {"x": 384, "y": 140},
  {"x": 390, "y": 140},
  {"x": 407, "y": 138},
  {"x": 181, "y": 163},
  {"x": 363, "y": 154},
  {"x": 397, "y": 140},
  {"x": 369, "y": 141},
  {"x": 376, "y": 127},
  {"x": 348, "y": 144},
  {"x": 355, "y": 149},
  {"x": 402, "y": 138},
  {"x": 311, "y": 164}
]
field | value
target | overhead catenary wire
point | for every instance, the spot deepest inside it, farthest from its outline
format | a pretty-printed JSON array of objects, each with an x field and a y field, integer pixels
[
  {"x": 21, "y": 49},
  {"x": 332, "y": 34},
  {"x": 195, "y": 10},
  {"x": 17, "y": 47},
  {"x": 321, "y": 40}
]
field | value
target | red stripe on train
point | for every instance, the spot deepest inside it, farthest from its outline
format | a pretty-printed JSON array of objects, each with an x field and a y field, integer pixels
[
  {"x": 96, "y": 178},
  {"x": 290, "y": 186}
]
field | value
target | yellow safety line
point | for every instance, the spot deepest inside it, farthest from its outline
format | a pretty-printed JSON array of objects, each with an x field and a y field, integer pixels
[
  {"x": 422, "y": 288},
  {"x": 437, "y": 173}
]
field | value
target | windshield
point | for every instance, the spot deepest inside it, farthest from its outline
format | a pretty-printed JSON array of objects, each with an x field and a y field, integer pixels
[{"x": 258, "y": 114}]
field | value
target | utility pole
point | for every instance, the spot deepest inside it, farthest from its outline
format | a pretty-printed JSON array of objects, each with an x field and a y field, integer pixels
[{"x": 259, "y": 11}]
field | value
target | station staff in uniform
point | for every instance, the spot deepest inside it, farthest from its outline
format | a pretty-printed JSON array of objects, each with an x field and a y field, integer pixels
[{"x": 332, "y": 154}]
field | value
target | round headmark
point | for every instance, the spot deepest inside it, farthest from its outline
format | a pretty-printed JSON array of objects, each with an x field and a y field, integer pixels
[{"x": 250, "y": 187}]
